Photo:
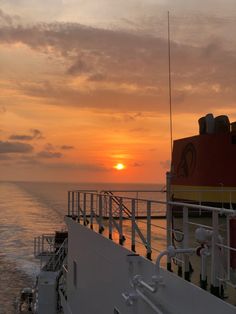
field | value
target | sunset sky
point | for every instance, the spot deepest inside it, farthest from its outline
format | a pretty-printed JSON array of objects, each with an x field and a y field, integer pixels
[{"x": 84, "y": 84}]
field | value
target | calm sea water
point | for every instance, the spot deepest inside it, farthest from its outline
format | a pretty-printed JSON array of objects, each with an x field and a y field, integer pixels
[{"x": 29, "y": 210}]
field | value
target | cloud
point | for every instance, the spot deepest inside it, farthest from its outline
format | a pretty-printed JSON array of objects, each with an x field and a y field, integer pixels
[
  {"x": 29, "y": 161},
  {"x": 67, "y": 147},
  {"x": 49, "y": 146},
  {"x": 80, "y": 167},
  {"x": 32, "y": 161},
  {"x": 9, "y": 20},
  {"x": 137, "y": 164},
  {"x": 141, "y": 130},
  {"x": 124, "y": 70},
  {"x": 49, "y": 155},
  {"x": 97, "y": 77},
  {"x": 35, "y": 134},
  {"x": 4, "y": 157},
  {"x": 78, "y": 67},
  {"x": 14, "y": 147}
]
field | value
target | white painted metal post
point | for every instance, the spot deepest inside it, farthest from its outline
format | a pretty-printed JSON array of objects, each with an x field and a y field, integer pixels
[
  {"x": 84, "y": 209},
  {"x": 228, "y": 244},
  {"x": 133, "y": 226},
  {"x": 34, "y": 247},
  {"x": 203, "y": 274},
  {"x": 149, "y": 250},
  {"x": 78, "y": 206},
  {"x": 68, "y": 203},
  {"x": 168, "y": 217},
  {"x": 121, "y": 238},
  {"x": 105, "y": 205},
  {"x": 73, "y": 200},
  {"x": 110, "y": 217},
  {"x": 215, "y": 289},
  {"x": 100, "y": 213},
  {"x": 91, "y": 211},
  {"x": 186, "y": 243},
  {"x": 42, "y": 243}
]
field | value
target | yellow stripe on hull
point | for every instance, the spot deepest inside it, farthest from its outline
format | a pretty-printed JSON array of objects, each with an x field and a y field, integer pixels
[{"x": 204, "y": 193}]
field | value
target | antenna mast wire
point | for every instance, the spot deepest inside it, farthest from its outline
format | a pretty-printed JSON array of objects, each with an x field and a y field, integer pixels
[{"x": 170, "y": 88}]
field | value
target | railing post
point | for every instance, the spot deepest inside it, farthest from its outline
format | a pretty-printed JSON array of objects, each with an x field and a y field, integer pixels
[
  {"x": 121, "y": 237},
  {"x": 186, "y": 243},
  {"x": 105, "y": 205},
  {"x": 73, "y": 203},
  {"x": 149, "y": 250},
  {"x": 42, "y": 243},
  {"x": 133, "y": 226},
  {"x": 91, "y": 211},
  {"x": 68, "y": 203},
  {"x": 110, "y": 217},
  {"x": 38, "y": 245},
  {"x": 84, "y": 209},
  {"x": 168, "y": 217},
  {"x": 228, "y": 245},
  {"x": 34, "y": 247},
  {"x": 78, "y": 206},
  {"x": 101, "y": 229},
  {"x": 215, "y": 289}
]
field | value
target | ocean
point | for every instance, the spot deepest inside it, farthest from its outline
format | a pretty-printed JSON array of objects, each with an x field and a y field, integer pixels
[{"x": 29, "y": 209}]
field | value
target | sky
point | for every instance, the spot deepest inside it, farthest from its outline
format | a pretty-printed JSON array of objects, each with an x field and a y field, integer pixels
[{"x": 84, "y": 84}]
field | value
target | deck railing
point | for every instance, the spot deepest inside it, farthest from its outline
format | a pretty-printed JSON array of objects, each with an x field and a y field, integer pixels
[
  {"x": 116, "y": 217},
  {"x": 44, "y": 245},
  {"x": 51, "y": 255}
]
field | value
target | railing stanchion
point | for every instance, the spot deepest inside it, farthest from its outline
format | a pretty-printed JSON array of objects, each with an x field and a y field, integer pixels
[
  {"x": 110, "y": 217},
  {"x": 149, "y": 250},
  {"x": 133, "y": 226},
  {"x": 91, "y": 211},
  {"x": 168, "y": 217},
  {"x": 78, "y": 208},
  {"x": 84, "y": 210},
  {"x": 186, "y": 243},
  {"x": 215, "y": 289},
  {"x": 101, "y": 229},
  {"x": 34, "y": 246},
  {"x": 68, "y": 203},
  {"x": 38, "y": 245},
  {"x": 76, "y": 204},
  {"x": 121, "y": 237},
  {"x": 228, "y": 244},
  {"x": 42, "y": 244},
  {"x": 73, "y": 203}
]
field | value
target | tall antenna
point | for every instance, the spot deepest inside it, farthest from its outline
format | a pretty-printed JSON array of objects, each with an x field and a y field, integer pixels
[{"x": 170, "y": 90}]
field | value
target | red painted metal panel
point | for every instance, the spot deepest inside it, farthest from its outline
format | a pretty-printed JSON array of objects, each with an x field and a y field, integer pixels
[{"x": 205, "y": 160}]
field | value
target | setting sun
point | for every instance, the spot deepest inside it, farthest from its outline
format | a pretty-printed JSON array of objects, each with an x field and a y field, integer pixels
[{"x": 119, "y": 166}]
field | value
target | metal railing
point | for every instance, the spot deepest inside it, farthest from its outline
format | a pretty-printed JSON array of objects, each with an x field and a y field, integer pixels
[
  {"x": 80, "y": 203},
  {"x": 51, "y": 256},
  {"x": 116, "y": 218},
  {"x": 44, "y": 245},
  {"x": 56, "y": 260}
]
